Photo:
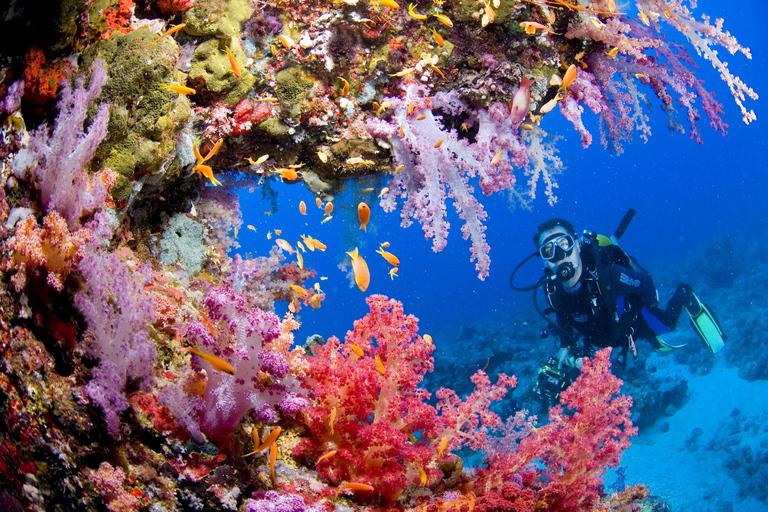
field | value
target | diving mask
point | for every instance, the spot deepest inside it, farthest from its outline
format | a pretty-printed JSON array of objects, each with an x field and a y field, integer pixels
[{"x": 557, "y": 248}]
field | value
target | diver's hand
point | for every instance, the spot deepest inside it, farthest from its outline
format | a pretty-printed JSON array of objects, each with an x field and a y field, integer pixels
[{"x": 562, "y": 357}]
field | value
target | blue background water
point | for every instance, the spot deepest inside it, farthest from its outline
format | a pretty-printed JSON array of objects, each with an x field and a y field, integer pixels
[{"x": 687, "y": 196}]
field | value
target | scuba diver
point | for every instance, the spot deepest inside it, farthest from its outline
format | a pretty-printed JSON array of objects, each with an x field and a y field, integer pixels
[{"x": 603, "y": 298}]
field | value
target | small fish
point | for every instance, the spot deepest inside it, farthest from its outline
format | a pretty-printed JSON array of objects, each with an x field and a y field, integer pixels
[
  {"x": 317, "y": 288},
  {"x": 415, "y": 15},
  {"x": 363, "y": 215},
  {"x": 170, "y": 31},
  {"x": 360, "y": 269},
  {"x": 488, "y": 16},
  {"x": 612, "y": 6},
  {"x": 323, "y": 156},
  {"x": 233, "y": 63},
  {"x": 367, "y": 190},
  {"x": 384, "y": 106},
  {"x": 302, "y": 208},
  {"x": 323, "y": 278},
  {"x": 548, "y": 106},
  {"x": 357, "y": 350},
  {"x": 570, "y": 75},
  {"x": 612, "y": 52},
  {"x": 325, "y": 456},
  {"x": 181, "y": 89},
  {"x": 358, "y": 160},
  {"x": 391, "y": 258},
  {"x": 328, "y": 208},
  {"x": 315, "y": 244},
  {"x": 258, "y": 161},
  {"x": 319, "y": 202},
  {"x": 437, "y": 70},
  {"x": 421, "y": 117},
  {"x": 287, "y": 174},
  {"x": 427, "y": 338},
  {"x": 644, "y": 18},
  {"x": 286, "y": 40},
  {"x": 406, "y": 71},
  {"x": 385, "y": 244},
  {"x": 422, "y": 476},
  {"x": 299, "y": 260},
  {"x": 594, "y": 20},
  {"x": 292, "y": 307},
  {"x": 354, "y": 486},
  {"x": 272, "y": 460},
  {"x": 439, "y": 143},
  {"x": 269, "y": 235},
  {"x": 206, "y": 171},
  {"x": 411, "y": 108},
  {"x": 401, "y": 132},
  {"x": 278, "y": 232},
  {"x": 268, "y": 99},
  {"x": 284, "y": 245},
  {"x": 331, "y": 420},
  {"x": 438, "y": 38},
  {"x": 497, "y": 157},
  {"x": 345, "y": 88},
  {"x": 531, "y": 27},
  {"x": 443, "y": 445},
  {"x": 326, "y": 219},
  {"x": 390, "y": 3},
  {"x": 379, "y": 365},
  {"x": 301, "y": 246},
  {"x": 271, "y": 438},
  {"x": 445, "y": 20},
  {"x": 393, "y": 273},
  {"x": 251, "y": 227},
  {"x": 399, "y": 168},
  {"x": 218, "y": 363},
  {"x": 383, "y": 191}
]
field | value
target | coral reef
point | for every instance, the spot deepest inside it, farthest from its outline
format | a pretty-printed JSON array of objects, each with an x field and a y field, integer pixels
[{"x": 145, "y": 366}]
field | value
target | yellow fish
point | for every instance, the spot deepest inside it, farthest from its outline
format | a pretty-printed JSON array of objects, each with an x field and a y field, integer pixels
[
  {"x": 360, "y": 269},
  {"x": 218, "y": 363},
  {"x": 391, "y": 258},
  {"x": 181, "y": 89}
]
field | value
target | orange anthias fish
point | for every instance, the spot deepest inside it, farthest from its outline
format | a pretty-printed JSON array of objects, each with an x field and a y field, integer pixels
[
  {"x": 287, "y": 174},
  {"x": 272, "y": 460},
  {"x": 267, "y": 442},
  {"x": 233, "y": 63},
  {"x": 218, "y": 363},
  {"x": 328, "y": 208},
  {"x": 363, "y": 214},
  {"x": 284, "y": 245},
  {"x": 331, "y": 420},
  {"x": 354, "y": 486},
  {"x": 360, "y": 269},
  {"x": 181, "y": 89},
  {"x": 391, "y": 258},
  {"x": 303, "y": 208},
  {"x": 298, "y": 289}
]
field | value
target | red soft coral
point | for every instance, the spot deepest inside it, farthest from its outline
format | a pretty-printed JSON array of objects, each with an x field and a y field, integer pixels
[
  {"x": 572, "y": 450},
  {"x": 378, "y": 406}
]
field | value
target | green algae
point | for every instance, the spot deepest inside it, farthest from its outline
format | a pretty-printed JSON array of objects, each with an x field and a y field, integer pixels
[
  {"x": 144, "y": 117},
  {"x": 217, "y": 18}
]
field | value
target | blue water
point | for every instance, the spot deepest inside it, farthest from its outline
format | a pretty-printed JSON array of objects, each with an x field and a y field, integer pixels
[{"x": 687, "y": 196}]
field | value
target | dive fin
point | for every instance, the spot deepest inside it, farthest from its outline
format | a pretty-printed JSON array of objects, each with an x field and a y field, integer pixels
[
  {"x": 706, "y": 325},
  {"x": 664, "y": 346}
]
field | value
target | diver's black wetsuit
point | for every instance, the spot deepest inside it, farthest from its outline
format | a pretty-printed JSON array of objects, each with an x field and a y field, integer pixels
[{"x": 611, "y": 302}]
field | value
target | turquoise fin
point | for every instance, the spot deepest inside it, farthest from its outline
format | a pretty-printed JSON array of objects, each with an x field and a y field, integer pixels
[
  {"x": 706, "y": 325},
  {"x": 664, "y": 346}
]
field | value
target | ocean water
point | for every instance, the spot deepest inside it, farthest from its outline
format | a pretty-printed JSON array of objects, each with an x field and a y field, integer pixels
[{"x": 702, "y": 213}]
